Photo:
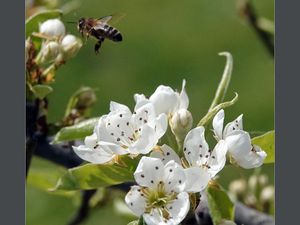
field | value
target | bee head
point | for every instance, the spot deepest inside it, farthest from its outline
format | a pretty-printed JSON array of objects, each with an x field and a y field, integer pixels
[{"x": 81, "y": 24}]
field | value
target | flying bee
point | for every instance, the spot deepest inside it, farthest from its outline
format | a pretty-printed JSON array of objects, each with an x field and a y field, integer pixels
[{"x": 100, "y": 29}]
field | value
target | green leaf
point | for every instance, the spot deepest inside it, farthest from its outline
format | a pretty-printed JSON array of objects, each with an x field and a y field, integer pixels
[
  {"x": 41, "y": 91},
  {"x": 92, "y": 176},
  {"x": 208, "y": 117},
  {"x": 267, "y": 143},
  {"x": 77, "y": 131},
  {"x": 225, "y": 81},
  {"x": 43, "y": 175},
  {"x": 135, "y": 222},
  {"x": 220, "y": 206},
  {"x": 32, "y": 23}
]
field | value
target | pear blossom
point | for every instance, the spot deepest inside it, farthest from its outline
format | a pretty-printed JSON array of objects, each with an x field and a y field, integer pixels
[
  {"x": 203, "y": 164},
  {"x": 70, "y": 45},
  {"x": 122, "y": 132},
  {"x": 238, "y": 142},
  {"x": 166, "y": 100},
  {"x": 52, "y": 28},
  {"x": 159, "y": 196},
  {"x": 49, "y": 51}
]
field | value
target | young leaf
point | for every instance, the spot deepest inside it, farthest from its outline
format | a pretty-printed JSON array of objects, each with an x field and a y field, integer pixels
[
  {"x": 32, "y": 23},
  {"x": 267, "y": 143},
  {"x": 220, "y": 206},
  {"x": 225, "y": 80},
  {"x": 92, "y": 176},
  {"x": 210, "y": 114},
  {"x": 41, "y": 91},
  {"x": 135, "y": 222},
  {"x": 77, "y": 131}
]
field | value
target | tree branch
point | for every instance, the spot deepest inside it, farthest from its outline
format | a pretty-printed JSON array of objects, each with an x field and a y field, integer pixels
[
  {"x": 83, "y": 211},
  {"x": 248, "y": 11}
]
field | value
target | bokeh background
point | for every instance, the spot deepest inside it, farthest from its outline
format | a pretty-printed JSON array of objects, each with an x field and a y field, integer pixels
[{"x": 164, "y": 42}]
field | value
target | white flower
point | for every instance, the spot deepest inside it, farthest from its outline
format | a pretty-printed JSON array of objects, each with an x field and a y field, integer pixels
[
  {"x": 122, "y": 132},
  {"x": 53, "y": 28},
  {"x": 166, "y": 100},
  {"x": 160, "y": 196},
  {"x": 49, "y": 52},
  {"x": 238, "y": 142},
  {"x": 70, "y": 45},
  {"x": 204, "y": 163}
]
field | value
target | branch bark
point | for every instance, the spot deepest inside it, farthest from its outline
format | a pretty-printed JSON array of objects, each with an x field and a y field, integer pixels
[{"x": 247, "y": 10}]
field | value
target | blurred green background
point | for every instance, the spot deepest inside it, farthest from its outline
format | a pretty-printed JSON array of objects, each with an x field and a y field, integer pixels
[{"x": 164, "y": 42}]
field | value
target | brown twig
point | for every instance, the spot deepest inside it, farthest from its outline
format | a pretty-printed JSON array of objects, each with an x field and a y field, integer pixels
[{"x": 247, "y": 10}]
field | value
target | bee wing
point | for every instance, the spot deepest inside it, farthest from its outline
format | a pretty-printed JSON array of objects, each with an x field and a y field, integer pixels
[{"x": 111, "y": 19}]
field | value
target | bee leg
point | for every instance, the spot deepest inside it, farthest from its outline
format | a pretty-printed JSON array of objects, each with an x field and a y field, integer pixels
[{"x": 98, "y": 45}]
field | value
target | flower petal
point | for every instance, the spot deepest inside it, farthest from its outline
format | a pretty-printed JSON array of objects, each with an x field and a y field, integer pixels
[
  {"x": 166, "y": 154},
  {"x": 91, "y": 141},
  {"x": 160, "y": 125},
  {"x": 143, "y": 115},
  {"x": 135, "y": 201},
  {"x": 237, "y": 124},
  {"x": 145, "y": 143},
  {"x": 165, "y": 100},
  {"x": 217, "y": 158},
  {"x": 114, "y": 106},
  {"x": 255, "y": 158},
  {"x": 239, "y": 143},
  {"x": 197, "y": 179},
  {"x": 174, "y": 177},
  {"x": 179, "y": 208},
  {"x": 149, "y": 172},
  {"x": 114, "y": 148},
  {"x": 184, "y": 99},
  {"x": 194, "y": 145},
  {"x": 217, "y": 124},
  {"x": 97, "y": 156}
]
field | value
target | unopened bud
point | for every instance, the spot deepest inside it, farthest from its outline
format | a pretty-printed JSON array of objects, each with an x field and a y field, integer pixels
[
  {"x": 253, "y": 182},
  {"x": 49, "y": 51},
  {"x": 70, "y": 45},
  {"x": 181, "y": 123},
  {"x": 263, "y": 180},
  {"x": 267, "y": 194},
  {"x": 238, "y": 188},
  {"x": 27, "y": 48},
  {"x": 53, "y": 28},
  {"x": 86, "y": 99}
]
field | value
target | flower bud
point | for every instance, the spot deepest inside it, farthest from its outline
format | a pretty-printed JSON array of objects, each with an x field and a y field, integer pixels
[
  {"x": 267, "y": 194},
  {"x": 86, "y": 99},
  {"x": 70, "y": 45},
  {"x": 181, "y": 123},
  {"x": 53, "y": 27},
  {"x": 49, "y": 51},
  {"x": 238, "y": 188},
  {"x": 253, "y": 182}
]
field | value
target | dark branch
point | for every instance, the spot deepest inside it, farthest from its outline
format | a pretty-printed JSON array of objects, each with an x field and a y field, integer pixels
[
  {"x": 83, "y": 211},
  {"x": 266, "y": 38}
]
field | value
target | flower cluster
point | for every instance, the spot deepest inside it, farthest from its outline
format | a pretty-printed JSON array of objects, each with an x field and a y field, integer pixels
[
  {"x": 57, "y": 45},
  {"x": 166, "y": 177}
]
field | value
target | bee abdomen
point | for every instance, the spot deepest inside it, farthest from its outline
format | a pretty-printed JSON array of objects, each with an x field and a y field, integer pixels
[{"x": 113, "y": 34}]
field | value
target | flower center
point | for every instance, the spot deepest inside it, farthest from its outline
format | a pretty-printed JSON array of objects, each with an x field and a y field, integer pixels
[{"x": 159, "y": 198}]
